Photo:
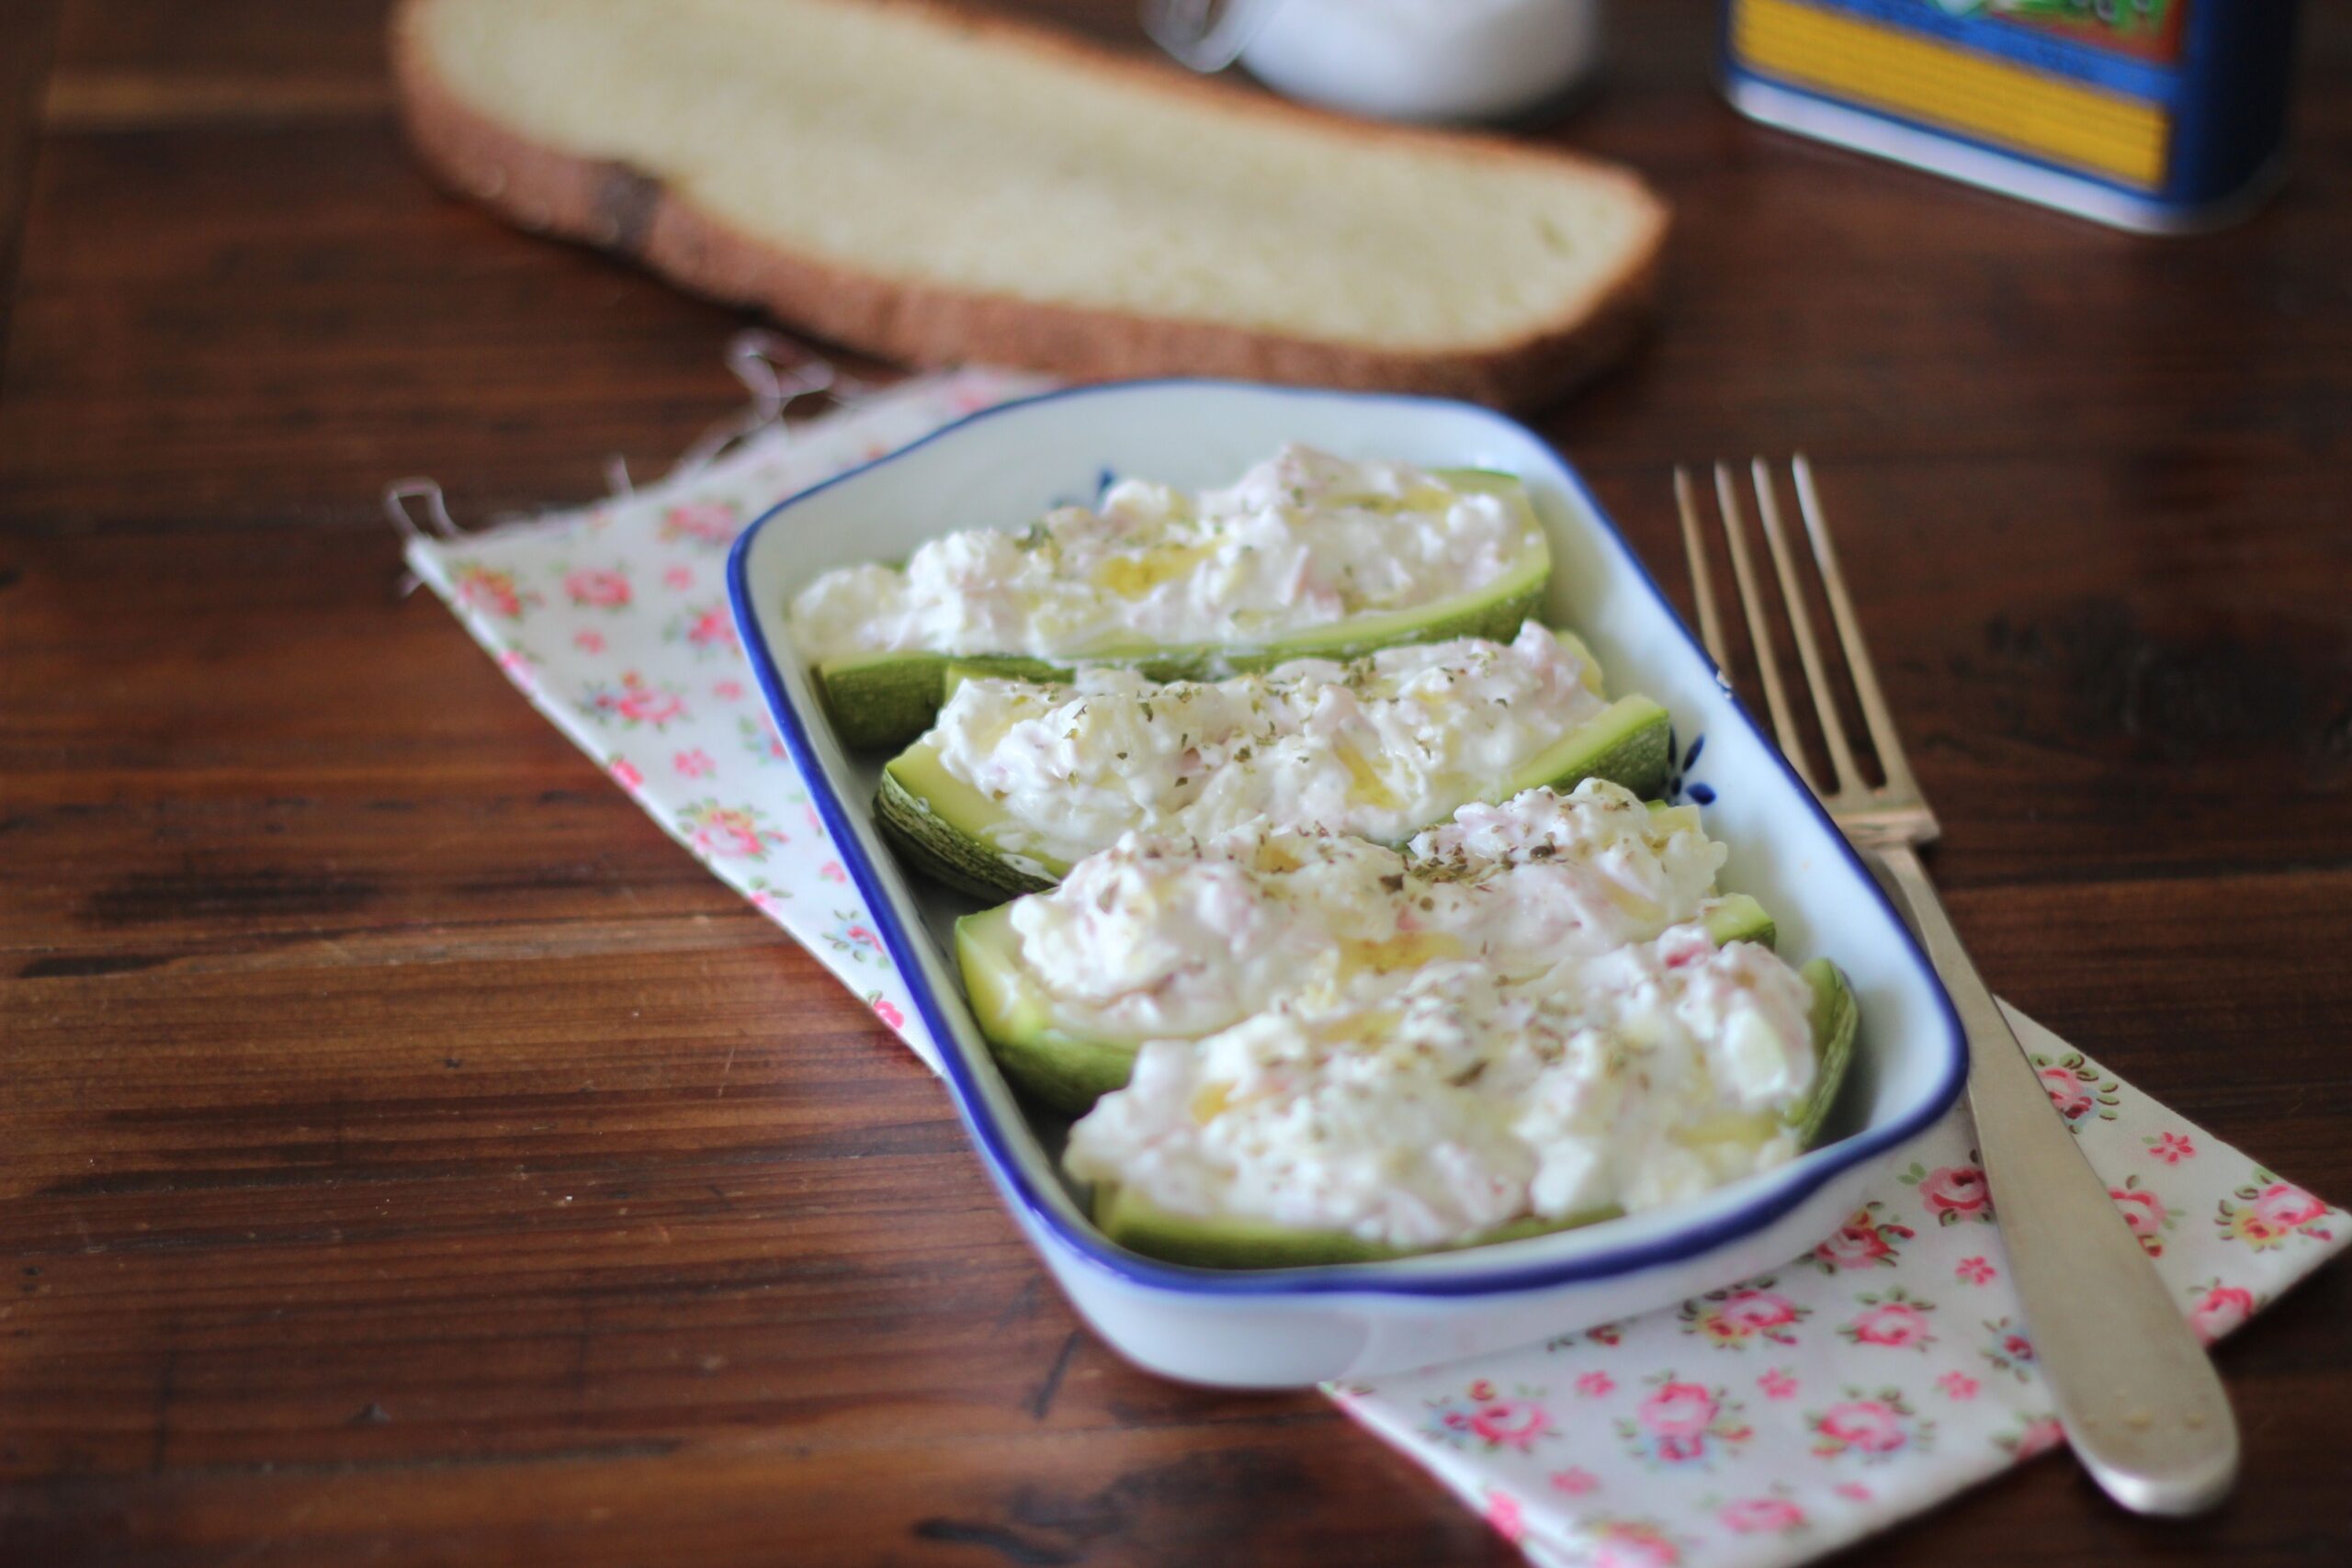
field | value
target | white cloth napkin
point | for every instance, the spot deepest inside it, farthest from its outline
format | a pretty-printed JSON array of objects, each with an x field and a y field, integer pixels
[{"x": 1762, "y": 1424}]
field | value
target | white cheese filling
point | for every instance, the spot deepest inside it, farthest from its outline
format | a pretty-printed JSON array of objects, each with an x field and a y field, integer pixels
[
  {"x": 1156, "y": 937},
  {"x": 1302, "y": 540},
  {"x": 1379, "y": 747},
  {"x": 1643, "y": 1075}
]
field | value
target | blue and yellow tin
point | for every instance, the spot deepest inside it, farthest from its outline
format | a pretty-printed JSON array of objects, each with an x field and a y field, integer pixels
[{"x": 2163, "y": 116}]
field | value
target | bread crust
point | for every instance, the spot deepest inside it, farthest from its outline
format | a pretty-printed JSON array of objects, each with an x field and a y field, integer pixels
[{"x": 624, "y": 211}]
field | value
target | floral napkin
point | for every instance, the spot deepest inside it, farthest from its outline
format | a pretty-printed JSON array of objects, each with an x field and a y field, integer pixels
[
  {"x": 1872, "y": 1378},
  {"x": 1761, "y": 1424},
  {"x": 613, "y": 620}
]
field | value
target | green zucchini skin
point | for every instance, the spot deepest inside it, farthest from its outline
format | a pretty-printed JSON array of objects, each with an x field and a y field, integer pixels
[
  {"x": 885, "y": 700},
  {"x": 945, "y": 852},
  {"x": 1071, "y": 1072},
  {"x": 1627, "y": 743},
  {"x": 1138, "y": 1226},
  {"x": 1135, "y": 1224},
  {"x": 881, "y": 700},
  {"x": 940, "y": 824},
  {"x": 1836, "y": 1019},
  {"x": 1046, "y": 1062}
]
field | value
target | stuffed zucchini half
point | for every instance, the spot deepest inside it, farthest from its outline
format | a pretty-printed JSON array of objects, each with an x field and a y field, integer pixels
[
  {"x": 1069, "y": 1064},
  {"x": 1288, "y": 1047},
  {"x": 1017, "y": 779},
  {"x": 1308, "y": 556},
  {"x": 1179, "y": 939},
  {"x": 1137, "y": 1221}
]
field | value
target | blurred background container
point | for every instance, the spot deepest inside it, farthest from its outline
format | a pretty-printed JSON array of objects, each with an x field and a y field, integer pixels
[
  {"x": 1431, "y": 61},
  {"x": 2163, "y": 116}
]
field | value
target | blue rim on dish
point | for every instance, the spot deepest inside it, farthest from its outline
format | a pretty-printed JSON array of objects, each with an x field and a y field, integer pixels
[{"x": 1797, "y": 1182}]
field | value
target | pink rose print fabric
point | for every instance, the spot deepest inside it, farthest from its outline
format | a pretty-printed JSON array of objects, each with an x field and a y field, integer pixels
[
  {"x": 1952, "y": 1193},
  {"x": 1767, "y": 1515},
  {"x": 1783, "y": 1416},
  {"x": 1684, "y": 1423},
  {"x": 1762, "y": 1424},
  {"x": 613, "y": 620},
  {"x": 1871, "y": 1238}
]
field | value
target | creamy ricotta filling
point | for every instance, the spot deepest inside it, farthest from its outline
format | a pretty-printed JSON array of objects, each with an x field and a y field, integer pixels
[
  {"x": 1169, "y": 937},
  {"x": 1378, "y": 747},
  {"x": 1302, "y": 540},
  {"x": 1638, "y": 1077}
]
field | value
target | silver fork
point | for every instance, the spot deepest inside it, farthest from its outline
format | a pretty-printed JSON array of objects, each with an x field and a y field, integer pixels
[{"x": 2140, "y": 1399}]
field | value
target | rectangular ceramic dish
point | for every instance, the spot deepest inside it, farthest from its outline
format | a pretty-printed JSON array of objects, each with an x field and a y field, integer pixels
[{"x": 1003, "y": 466}]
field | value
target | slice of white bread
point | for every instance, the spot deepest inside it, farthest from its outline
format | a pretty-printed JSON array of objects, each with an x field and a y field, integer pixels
[{"x": 930, "y": 185}]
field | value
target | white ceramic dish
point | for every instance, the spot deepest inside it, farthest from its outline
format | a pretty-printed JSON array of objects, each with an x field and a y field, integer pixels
[{"x": 1001, "y": 467}]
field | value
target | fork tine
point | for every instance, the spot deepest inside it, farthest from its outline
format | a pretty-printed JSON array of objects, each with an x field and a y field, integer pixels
[
  {"x": 1875, "y": 713},
  {"x": 1751, "y": 606},
  {"x": 1702, "y": 587},
  {"x": 1824, "y": 700}
]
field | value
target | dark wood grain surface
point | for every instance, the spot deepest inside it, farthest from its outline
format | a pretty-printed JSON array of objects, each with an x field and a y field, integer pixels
[{"x": 407, "y": 1155}]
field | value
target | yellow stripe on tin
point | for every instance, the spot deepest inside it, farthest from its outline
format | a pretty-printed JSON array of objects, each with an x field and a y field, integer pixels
[{"x": 1881, "y": 67}]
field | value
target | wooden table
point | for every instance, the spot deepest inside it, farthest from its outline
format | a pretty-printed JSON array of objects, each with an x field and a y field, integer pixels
[{"x": 407, "y": 1155}]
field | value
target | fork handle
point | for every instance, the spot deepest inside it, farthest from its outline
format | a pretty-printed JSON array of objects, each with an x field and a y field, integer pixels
[{"x": 2137, "y": 1393}]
